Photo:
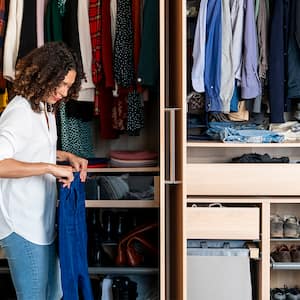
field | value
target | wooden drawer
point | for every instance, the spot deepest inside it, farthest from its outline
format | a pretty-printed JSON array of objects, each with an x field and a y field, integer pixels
[
  {"x": 243, "y": 179},
  {"x": 222, "y": 223}
]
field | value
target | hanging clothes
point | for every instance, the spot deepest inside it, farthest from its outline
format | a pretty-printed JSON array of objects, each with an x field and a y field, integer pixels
[
  {"x": 293, "y": 87},
  {"x": 199, "y": 49},
  {"x": 4, "y": 7},
  {"x": 250, "y": 83},
  {"x": 28, "y": 37},
  {"x": 277, "y": 60},
  {"x": 212, "y": 70},
  {"x": 148, "y": 68},
  {"x": 123, "y": 61},
  {"x": 72, "y": 238},
  {"x": 11, "y": 45}
]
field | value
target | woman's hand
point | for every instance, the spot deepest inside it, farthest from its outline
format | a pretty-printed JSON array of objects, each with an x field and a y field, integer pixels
[
  {"x": 79, "y": 164},
  {"x": 64, "y": 174}
]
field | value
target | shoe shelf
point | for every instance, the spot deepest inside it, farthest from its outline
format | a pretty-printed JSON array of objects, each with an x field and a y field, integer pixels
[
  {"x": 111, "y": 270},
  {"x": 124, "y": 270},
  {"x": 219, "y": 144},
  {"x": 121, "y": 203},
  {"x": 285, "y": 240}
]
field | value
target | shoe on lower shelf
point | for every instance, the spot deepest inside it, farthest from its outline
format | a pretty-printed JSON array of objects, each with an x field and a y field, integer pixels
[
  {"x": 293, "y": 294},
  {"x": 281, "y": 254},
  {"x": 276, "y": 226},
  {"x": 290, "y": 227},
  {"x": 295, "y": 253},
  {"x": 278, "y": 294}
]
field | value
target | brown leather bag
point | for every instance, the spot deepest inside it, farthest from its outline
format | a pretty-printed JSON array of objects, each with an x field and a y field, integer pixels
[{"x": 127, "y": 255}]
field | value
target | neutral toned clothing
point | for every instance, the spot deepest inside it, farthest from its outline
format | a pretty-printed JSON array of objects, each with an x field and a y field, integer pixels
[
  {"x": 40, "y": 12},
  {"x": 227, "y": 72},
  {"x": 11, "y": 45},
  {"x": 237, "y": 23},
  {"x": 263, "y": 38},
  {"x": 27, "y": 205},
  {"x": 87, "y": 86},
  {"x": 250, "y": 84},
  {"x": 199, "y": 49}
]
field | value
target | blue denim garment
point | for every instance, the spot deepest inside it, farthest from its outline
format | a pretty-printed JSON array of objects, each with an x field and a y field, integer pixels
[
  {"x": 34, "y": 268},
  {"x": 72, "y": 238},
  {"x": 212, "y": 69},
  {"x": 250, "y": 136},
  {"x": 215, "y": 128},
  {"x": 234, "y": 102}
]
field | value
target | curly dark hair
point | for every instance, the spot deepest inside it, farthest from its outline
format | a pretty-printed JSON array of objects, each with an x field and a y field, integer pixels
[{"x": 41, "y": 71}]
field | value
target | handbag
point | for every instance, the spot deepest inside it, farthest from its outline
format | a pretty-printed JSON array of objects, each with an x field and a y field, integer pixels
[{"x": 127, "y": 254}]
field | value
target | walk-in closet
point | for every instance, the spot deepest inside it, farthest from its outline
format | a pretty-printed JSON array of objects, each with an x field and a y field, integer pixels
[{"x": 117, "y": 123}]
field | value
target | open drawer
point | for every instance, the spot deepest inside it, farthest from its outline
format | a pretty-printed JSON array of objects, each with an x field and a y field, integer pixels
[
  {"x": 243, "y": 179},
  {"x": 222, "y": 222}
]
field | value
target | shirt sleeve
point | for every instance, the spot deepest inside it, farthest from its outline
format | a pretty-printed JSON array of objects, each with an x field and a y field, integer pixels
[{"x": 15, "y": 128}]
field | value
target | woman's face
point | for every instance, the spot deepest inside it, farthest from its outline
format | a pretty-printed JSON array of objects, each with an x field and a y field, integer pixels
[{"x": 62, "y": 90}]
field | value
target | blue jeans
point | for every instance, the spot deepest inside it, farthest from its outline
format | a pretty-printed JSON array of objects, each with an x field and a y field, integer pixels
[
  {"x": 72, "y": 238},
  {"x": 34, "y": 268}
]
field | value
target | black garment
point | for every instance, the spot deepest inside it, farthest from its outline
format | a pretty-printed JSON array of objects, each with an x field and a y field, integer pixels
[
  {"x": 123, "y": 61},
  {"x": 277, "y": 59},
  {"x": 70, "y": 26},
  {"x": 28, "y": 38},
  {"x": 259, "y": 158}
]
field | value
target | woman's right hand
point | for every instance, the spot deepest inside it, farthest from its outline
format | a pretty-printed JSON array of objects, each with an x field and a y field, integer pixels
[{"x": 64, "y": 174}]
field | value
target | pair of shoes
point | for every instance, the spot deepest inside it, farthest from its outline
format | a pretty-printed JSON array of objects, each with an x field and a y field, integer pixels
[
  {"x": 285, "y": 293},
  {"x": 291, "y": 227},
  {"x": 278, "y": 294},
  {"x": 276, "y": 226},
  {"x": 287, "y": 227},
  {"x": 293, "y": 294},
  {"x": 295, "y": 253},
  {"x": 283, "y": 253}
]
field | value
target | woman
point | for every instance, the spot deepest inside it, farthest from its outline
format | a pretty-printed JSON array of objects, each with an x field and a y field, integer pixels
[{"x": 28, "y": 169}]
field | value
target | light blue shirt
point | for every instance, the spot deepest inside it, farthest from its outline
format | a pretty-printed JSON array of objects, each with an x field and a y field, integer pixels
[{"x": 250, "y": 83}]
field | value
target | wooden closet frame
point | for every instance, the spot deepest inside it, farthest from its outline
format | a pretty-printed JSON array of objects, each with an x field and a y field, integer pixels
[{"x": 197, "y": 183}]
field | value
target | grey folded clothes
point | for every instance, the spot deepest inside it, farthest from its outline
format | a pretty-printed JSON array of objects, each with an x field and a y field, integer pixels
[{"x": 259, "y": 158}]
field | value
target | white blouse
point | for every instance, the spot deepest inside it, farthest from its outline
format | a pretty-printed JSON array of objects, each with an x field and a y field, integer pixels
[{"x": 27, "y": 205}]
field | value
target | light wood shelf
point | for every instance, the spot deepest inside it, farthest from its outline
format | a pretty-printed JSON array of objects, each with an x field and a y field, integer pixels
[
  {"x": 121, "y": 204},
  {"x": 124, "y": 170},
  {"x": 219, "y": 144},
  {"x": 124, "y": 270},
  {"x": 107, "y": 203}
]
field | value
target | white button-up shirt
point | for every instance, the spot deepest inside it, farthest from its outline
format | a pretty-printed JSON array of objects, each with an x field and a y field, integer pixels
[{"x": 27, "y": 205}]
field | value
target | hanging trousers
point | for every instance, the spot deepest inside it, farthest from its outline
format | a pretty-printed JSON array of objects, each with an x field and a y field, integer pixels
[{"x": 72, "y": 238}]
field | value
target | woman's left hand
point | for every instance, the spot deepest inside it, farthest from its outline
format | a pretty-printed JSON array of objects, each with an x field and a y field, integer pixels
[{"x": 79, "y": 164}]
